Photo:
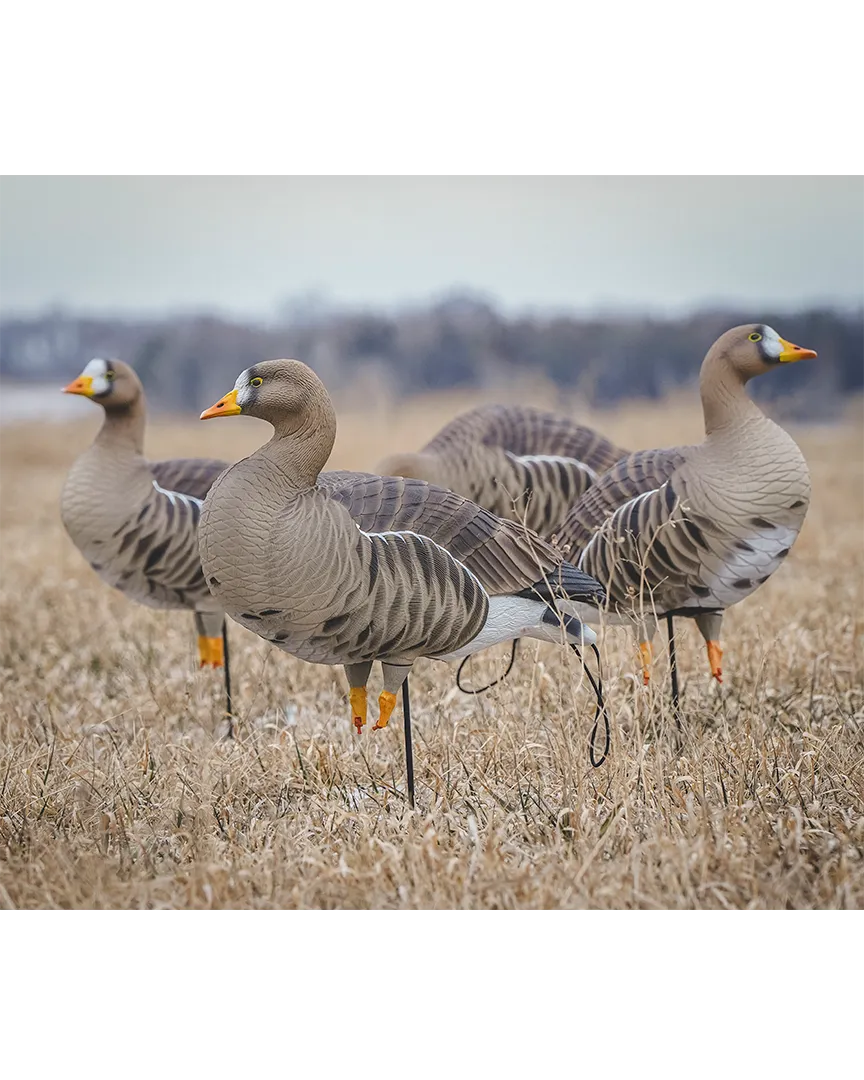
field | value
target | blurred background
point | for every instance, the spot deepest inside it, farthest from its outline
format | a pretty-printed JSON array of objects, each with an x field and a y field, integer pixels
[{"x": 608, "y": 288}]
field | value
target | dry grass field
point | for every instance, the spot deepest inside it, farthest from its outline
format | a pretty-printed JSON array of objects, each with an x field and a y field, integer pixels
[{"x": 117, "y": 789}]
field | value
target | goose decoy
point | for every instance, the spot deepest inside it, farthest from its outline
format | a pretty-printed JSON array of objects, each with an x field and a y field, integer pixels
[
  {"x": 692, "y": 530},
  {"x": 522, "y": 463},
  {"x": 348, "y": 568},
  {"x": 135, "y": 521}
]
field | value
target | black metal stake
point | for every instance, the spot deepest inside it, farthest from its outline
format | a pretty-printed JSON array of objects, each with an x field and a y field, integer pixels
[
  {"x": 673, "y": 670},
  {"x": 600, "y": 712},
  {"x": 229, "y": 707},
  {"x": 409, "y": 750}
]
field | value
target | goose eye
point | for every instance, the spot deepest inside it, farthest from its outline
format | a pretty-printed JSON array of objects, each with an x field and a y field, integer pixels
[
  {"x": 256, "y": 381},
  {"x": 755, "y": 337},
  {"x": 109, "y": 375}
]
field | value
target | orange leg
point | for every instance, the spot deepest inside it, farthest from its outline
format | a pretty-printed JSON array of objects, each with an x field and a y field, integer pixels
[
  {"x": 647, "y": 654},
  {"x": 386, "y": 703},
  {"x": 210, "y": 651},
  {"x": 357, "y": 697},
  {"x": 715, "y": 657}
]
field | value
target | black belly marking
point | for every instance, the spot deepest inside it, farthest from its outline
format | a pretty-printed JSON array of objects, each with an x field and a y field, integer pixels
[
  {"x": 373, "y": 567},
  {"x": 564, "y": 480},
  {"x": 143, "y": 544},
  {"x": 742, "y": 583},
  {"x": 387, "y": 648},
  {"x": 659, "y": 549},
  {"x": 761, "y": 523},
  {"x": 271, "y": 611},
  {"x": 155, "y": 555},
  {"x": 693, "y": 531},
  {"x": 128, "y": 539}
]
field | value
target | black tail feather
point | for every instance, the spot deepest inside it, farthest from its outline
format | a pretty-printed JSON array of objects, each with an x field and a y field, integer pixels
[{"x": 566, "y": 582}]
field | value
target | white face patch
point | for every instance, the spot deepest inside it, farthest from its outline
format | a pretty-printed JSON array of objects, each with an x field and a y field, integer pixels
[
  {"x": 96, "y": 370},
  {"x": 771, "y": 342},
  {"x": 243, "y": 389}
]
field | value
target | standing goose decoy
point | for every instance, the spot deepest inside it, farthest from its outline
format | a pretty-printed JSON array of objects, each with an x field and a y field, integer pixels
[
  {"x": 135, "y": 521},
  {"x": 348, "y": 568},
  {"x": 692, "y": 530},
  {"x": 521, "y": 463}
]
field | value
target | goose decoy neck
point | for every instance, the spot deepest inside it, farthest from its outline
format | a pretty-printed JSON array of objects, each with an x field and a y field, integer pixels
[
  {"x": 302, "y": 443},
  {"x": 124, "y": 425},
  {"x": 725, "y": 402}
]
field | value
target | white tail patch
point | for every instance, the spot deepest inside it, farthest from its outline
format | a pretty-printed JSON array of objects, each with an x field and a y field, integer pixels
[
  {"x": 514, "y": 617},
  {"x": 753, "y": 566}
]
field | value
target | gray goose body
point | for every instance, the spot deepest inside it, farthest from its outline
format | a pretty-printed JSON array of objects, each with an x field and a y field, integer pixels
[
  {"x": 136, "y": 521},
  {"x": 519, "y": 462},
  {"x": 692, "y": 530},
  {"x": 349, "y": 568}
]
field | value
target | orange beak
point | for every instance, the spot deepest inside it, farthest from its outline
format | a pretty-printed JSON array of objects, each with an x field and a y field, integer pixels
[
  {"x": 226, "y": 406},
  {"x": 791, "y": 353},
  {"x": 82, "y": 385}
]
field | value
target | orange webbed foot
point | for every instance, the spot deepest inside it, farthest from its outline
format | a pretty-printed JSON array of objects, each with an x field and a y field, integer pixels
[
  {"x": 357, "y": 697},
  {"x": 386, "y": 704},
  {"x": 715, "y": 657},
  {"x": 647, "y": 655},
  {"x": 211, "y": 652}
]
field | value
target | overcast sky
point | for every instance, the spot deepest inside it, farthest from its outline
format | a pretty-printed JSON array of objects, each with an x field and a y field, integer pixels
[{"x": 242, "y": 245}]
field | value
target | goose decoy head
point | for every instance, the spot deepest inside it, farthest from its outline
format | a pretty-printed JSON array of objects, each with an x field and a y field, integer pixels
[
  {"x": 756, "y": 348},
  {"x": 278, "y": 391},
  {"x": 111, "y": 383}
]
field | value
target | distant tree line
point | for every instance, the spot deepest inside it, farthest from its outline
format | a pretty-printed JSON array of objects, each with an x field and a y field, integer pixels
[{"x": 460, "y": 341}]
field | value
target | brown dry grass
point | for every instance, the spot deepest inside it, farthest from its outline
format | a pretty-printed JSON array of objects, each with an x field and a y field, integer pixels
[{"x": 117, "y": 791}]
